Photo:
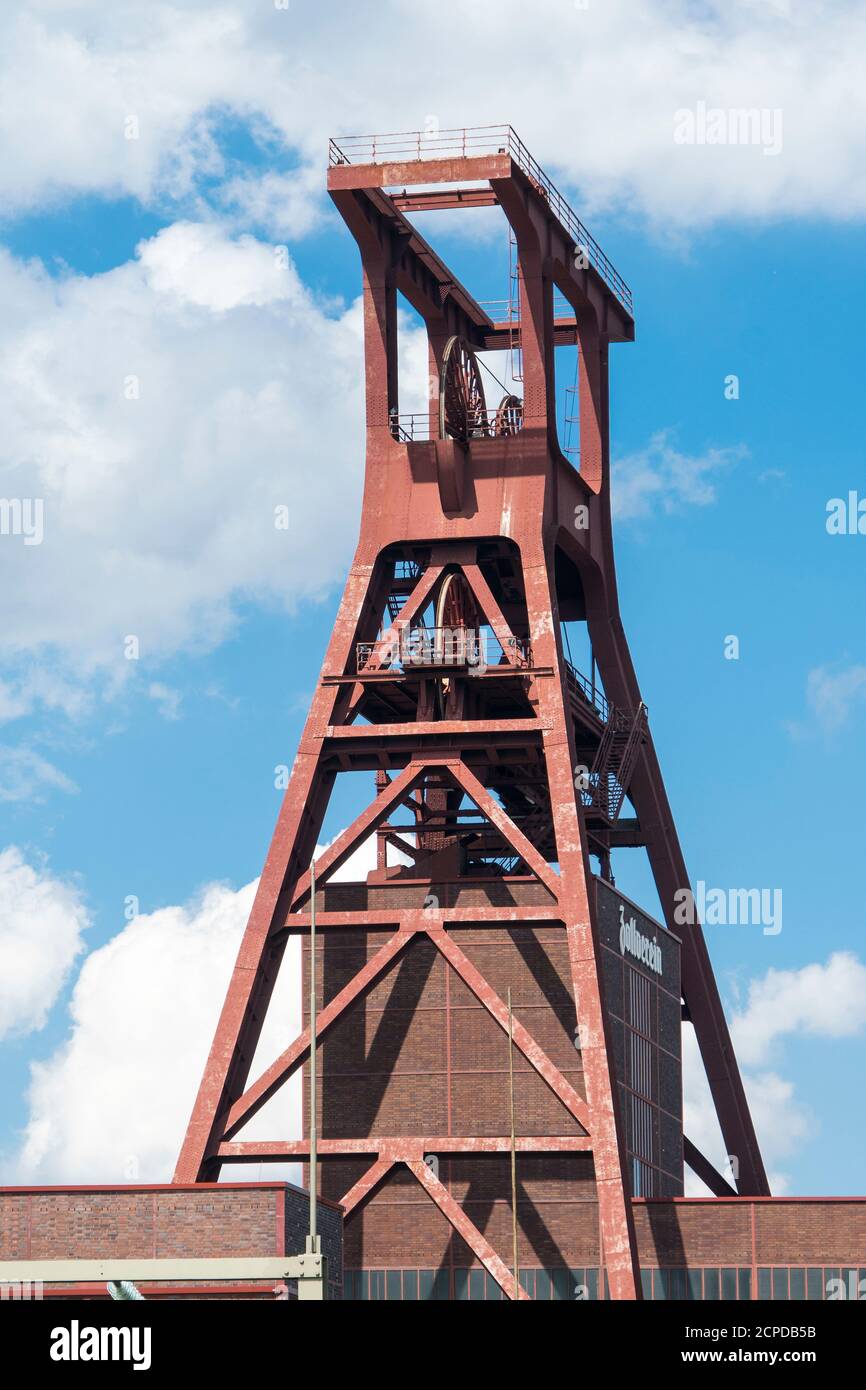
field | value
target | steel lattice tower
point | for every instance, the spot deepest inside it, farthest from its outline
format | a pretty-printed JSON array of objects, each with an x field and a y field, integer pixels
[{"x": 499, "y": 770}]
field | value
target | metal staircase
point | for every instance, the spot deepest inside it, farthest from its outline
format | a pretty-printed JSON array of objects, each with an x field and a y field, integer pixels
[{"x": 614, "y": 762}]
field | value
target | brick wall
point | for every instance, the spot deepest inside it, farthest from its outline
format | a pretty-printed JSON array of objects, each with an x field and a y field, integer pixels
[
  {"x": 419, "y": 1055},
  {"x": 165, "y": 1221},
  {"x": 558, "y": 1219},
  {"x": 557, "y": 1209},
  {"x": 774, "y": 1231}
]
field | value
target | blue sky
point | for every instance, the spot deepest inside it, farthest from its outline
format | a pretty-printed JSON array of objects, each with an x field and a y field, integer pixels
[{"x": 155, "y": 778}]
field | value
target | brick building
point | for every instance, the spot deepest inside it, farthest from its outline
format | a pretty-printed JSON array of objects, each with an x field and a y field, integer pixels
[
  {"x": 769, "y": 1248},
  {"x": 167, "y": 1221},
  {"x": 423, "y": 1056},
  {"x": 735, "y": 1249}
]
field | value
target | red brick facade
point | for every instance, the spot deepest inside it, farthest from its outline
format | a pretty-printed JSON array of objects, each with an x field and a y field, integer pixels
[
  {"x": 558, "y": 1214},
  {"x": 752, "y": 1231},
  {"x": 166, "y": 1222},
  {"x": 421, "y": 1055}
]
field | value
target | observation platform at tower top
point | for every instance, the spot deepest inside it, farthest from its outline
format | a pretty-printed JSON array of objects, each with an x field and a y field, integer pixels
[{"x": 470, "y": 161}]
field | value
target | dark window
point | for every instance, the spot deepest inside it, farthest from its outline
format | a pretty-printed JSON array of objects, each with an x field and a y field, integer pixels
[
  {"x": 711, "y": 1284},
  {"x": 798, "y": 1283},
  {"x": 640, "y": 1012},
  {"x": 410, "y": 1284},
  {"x": 493, "y": 1289},
  {"x": 744, "y": 1284},
  {"x": 780, "y": 1283},
  {"x": 393, "y": 1286},
  {"x": 815, "y": 1285}
]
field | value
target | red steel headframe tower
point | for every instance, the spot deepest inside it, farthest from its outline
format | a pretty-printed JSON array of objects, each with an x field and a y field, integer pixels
[{"x": 499, "y": 770}]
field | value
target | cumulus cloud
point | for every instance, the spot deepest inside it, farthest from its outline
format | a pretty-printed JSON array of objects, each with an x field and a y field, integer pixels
[
  {"x": 42, "y": 922},
  {"x": 660, "y": 478},
  {"x": 193, "y": 423},
  {"x": 824, "y": 1001},
  {"x": 198, "y": 264},
  {"x": 128, "y": 98},
  {"x": 112, "y": 1103},
  {"x": 780, "y": 1117},
  {"x": 164, "y": 412},
  {"x": 818, "y": 1000},
  {"x": 286, "y": 205}
]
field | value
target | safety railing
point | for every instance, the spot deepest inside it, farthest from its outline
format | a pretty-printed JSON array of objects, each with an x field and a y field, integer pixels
[
  {"x": 420, "y": 144},
  {"x": 399, "y": 147},
  {"x": 606, "y": 786},
  {"x": 584, "y": 241},
  {"x": 589, "y": 692},
  {"x": 408, "y": 429},
  {"x": 411, "y": 647},
  {"x": 487, "y": 424},
  {"x": 508, "y": 310}
]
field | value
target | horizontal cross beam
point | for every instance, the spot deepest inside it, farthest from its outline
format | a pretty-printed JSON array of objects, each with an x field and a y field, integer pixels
[{"x": 400, "y": 1148}]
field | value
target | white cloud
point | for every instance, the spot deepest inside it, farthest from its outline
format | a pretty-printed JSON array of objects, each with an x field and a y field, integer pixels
[
  {"x": 25, "y": 775},
  {"x": 820, "y": 1001},
  {"x": 75, "y": 75},
  {"x": 661, "y": 479},
  {"x": 42, "y": 921},
  {"x": 163, "y": 411},
  {"x": 112, "y": 1103},
  {"x": 833, "y": 695},
  {"x": 824, "y": 1001},
  {"x": 39, "y": 686},
  {"x": 198, "y": 264},
  {"x": 781, "y": 1120},
  {"x": 285, "y": 205}
]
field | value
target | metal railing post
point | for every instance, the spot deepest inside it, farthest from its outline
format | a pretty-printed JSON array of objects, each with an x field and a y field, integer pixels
[
  {"x": 313, "y": 1275},
  {"x": 313, "y": 1134}
]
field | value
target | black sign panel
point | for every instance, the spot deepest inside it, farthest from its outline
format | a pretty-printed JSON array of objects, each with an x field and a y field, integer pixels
[{"x": 641, "y": 977}]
